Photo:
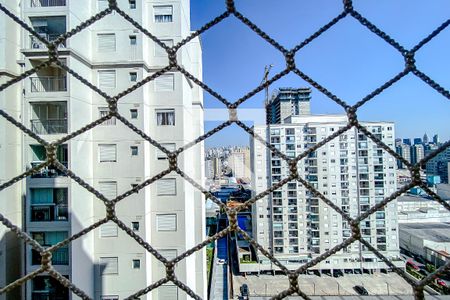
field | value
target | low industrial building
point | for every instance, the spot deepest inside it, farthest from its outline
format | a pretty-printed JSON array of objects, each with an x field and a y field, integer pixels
[{"x": 430, "y": 241}]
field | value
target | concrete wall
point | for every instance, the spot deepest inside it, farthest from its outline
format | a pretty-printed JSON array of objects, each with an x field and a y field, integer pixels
[{"x": 11, "y": 248}]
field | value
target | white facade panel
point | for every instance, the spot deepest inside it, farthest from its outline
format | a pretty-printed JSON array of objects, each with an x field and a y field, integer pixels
[
  {"x": 107, "y": 152},
  {"x": 106, "y": 42},
  {"x": 166, "y": 292},
  {"x": 109, "y": 265},
  {"x": 169, "y": 146},
  {"x": 166, "y": 187},
  {"x": 107, "y": 79},
  {"x": 166, "y": 222},
  {"x": 165, "y": 83},
  {"x": 108, "y": 230},
  {"x": 108, "y": 189}
]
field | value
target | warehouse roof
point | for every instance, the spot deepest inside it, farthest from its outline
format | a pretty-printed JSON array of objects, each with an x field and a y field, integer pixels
[{"x": 437, "y": 232}]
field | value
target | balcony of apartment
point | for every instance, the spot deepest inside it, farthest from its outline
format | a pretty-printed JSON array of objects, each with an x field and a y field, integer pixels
[
  {"x": 48, "y": 288},
  {"x": 49, "y": 118},
  {"x": 38, "y": 156},
  {"x": 60, "y": 257},
  {"x": 51, "y": 79},
  {"x": 47, "y": 239},
  {"x": 309, "y": 131},
  {"x": 47, "y": 3},
  {"x": 49, "y": 205},
  {"x": 49, "y": 28}
]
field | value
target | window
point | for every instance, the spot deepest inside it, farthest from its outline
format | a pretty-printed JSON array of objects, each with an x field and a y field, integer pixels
[
  {"x": 165, "y": 117},
  {"x": 169, "y": 146},
  {"x": 133, "y": 40},
  {"x": 159, "y": 51},
  {"x": 166, "y": 222},
  {"x": 108, "y": 230},
  {"x": 163, "y": 13},
  {"x": 109, "y": 265},
  {"x": 106, "y": 42},
  {"x": 168, "y": 254},
  {"x": 102, "y": 112},
  {"x": 108, "y": 189},
  {"x": 168, "y": 292},
  {"x": 135, "y": 226},
  {"x": 132, "y": 4},
  {"x": 136, "y": 263},
  {"x": 166, "y": 187},
  {"x": 110, "y": 297},
  {"x": 133, "y": 76},
  {"x": 107, "y": 152},
  {"x": 107, "y": 79},
  {"x": 165, "y": 83},
  {"x": 134, "y": 113},
  {"x": 134, "y": 150}
]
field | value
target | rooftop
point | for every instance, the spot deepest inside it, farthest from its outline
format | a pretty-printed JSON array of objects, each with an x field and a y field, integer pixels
[
  {"x": 437, "y": 232},
  {"x": 443, "y": 190}
]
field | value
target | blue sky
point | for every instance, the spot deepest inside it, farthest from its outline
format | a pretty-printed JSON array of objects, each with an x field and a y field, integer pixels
[{"x": 348, "y": 59}]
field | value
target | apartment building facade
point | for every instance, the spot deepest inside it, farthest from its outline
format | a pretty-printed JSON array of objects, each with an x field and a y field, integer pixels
[
  {"x": 239, "y": 162},
  {"x": 351, "y": 170},
  {"x": 113, "y": 55},
  {"x": 439, "y": 165}
]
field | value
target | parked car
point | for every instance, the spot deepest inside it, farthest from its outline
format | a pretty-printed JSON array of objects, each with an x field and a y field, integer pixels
[
  {"x": 440, "y": 282},
  {"x": 360, "y": 290},
  {"x": 221, "y": 261},
  {"x": 244, "y": 291},
  {"x": 412, "y": 265}
]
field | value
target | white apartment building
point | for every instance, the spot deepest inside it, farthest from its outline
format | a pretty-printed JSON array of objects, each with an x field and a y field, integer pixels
[
  {"x": 239, "y": 162},
  {"x": 169, "y": 214},
  {"x": 351, "y": 170}
]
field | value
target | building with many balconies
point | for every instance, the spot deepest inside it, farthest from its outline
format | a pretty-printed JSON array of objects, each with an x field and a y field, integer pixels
[
  {"x": 351, "y": 171},
  {"x": 168, "y": 214}
]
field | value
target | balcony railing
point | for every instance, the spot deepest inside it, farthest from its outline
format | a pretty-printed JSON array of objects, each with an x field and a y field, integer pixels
[
  {"x": 49, "y": 213},
  {"x": 48, "y": 172},
  {"x": 48, "y": 296},
  {"x": 47, "y": 3},
  {"x": 56, "y": 126},
  {"x": 48, "y": 84},
  {"x": 59, "y": 257},
  {"x": 37, "y": 44}
]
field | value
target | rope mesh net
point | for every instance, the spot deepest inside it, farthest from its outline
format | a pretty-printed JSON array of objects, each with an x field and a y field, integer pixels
[{"x": 289, "y": 54}]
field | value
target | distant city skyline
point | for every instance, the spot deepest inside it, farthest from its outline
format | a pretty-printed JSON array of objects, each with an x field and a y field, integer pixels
[{"x": 349, "y": 60}]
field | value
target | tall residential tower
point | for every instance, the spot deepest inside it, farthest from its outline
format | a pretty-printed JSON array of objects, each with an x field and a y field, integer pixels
[{"x": 351, "y": 170}]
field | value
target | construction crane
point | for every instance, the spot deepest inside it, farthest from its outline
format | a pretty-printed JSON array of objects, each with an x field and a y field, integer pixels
[{"x": 266, "y": 89}]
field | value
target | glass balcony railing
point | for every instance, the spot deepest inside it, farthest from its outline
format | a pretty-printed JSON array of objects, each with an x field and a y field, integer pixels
[
  {"x": 48, "y": 172},
  {"x": 48, "y": 296},
  {"x": 48, "y": 84},
  {"x": 59, "y": 257},
  {"x": 55, "y": 126},
  {"x": 49, "y": 213},
  {"x": 47, "y": 3},
  {"x": 37, "y": 44}
]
